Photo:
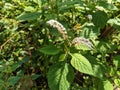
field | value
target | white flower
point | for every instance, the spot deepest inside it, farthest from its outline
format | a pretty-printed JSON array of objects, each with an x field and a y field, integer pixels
[
  {"x": 55, "y": 24},
  {"x": 84, "y": 41},
  {"x": 89, "y": 17}
]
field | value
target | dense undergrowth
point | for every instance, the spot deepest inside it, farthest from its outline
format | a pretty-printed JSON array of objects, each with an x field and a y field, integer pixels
[{"x": 59, "y": 45}]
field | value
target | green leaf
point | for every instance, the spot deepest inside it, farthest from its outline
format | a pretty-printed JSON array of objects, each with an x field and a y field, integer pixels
[
  {"x": 107, "y": 85},
  {"x": 81, "y": 63},
  {"x": 28, "y": 16},
  {"x": 82, "y": 47},
  {"x": 50, "y": 50},
  {"x": 97, "y": 67},
  {"x": 115, "y": 22},
  {"x": 90, "y": 31},
  {"x": 116, "y": 61},
  {"x": 98, "y": 71},
  {"x": 16, "y": 65},
  {"x": 35, "y": 76},
  {"x": 100, "y": 19},
  {"x": 107, "y": 6},
  {"x": 1, "y": 82},
  {"x": 60, "y": 76},
  {"x": 12, "y": 80}
]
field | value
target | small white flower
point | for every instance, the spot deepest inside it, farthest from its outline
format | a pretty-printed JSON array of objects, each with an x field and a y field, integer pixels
[
  {"x": 81, "y": 40},
  {"x": 89, "y": 17}
]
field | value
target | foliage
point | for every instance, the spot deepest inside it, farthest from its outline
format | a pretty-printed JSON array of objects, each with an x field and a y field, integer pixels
[{"x": 59, "y": 44}]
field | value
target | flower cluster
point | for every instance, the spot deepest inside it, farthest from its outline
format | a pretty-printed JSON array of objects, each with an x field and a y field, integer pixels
[
  {"x": 84, "y": 41},
  {"x": 61, "y": 29}
]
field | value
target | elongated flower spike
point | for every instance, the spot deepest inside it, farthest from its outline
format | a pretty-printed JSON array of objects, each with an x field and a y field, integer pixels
[
  {"x": 84, "y": 41},
  {"x": 61, "y": 29}
]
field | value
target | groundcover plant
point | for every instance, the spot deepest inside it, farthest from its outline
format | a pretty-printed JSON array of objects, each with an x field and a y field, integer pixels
[{"x": 60, "y": 45}]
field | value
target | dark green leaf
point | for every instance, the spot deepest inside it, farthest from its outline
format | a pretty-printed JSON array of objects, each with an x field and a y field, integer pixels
[
  {"x": 60, "y": 76},
  {"x": 97, "y": 67},
  {"x": 12, "y": 80},
  {"x": 107, "y": 6},
  {"x": 100, "y": 19},
  {"x": 35, "y": 76}
]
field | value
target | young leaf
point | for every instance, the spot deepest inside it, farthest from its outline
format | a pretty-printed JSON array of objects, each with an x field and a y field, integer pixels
[
  {"x": 100, "y": 19},
  {"x": 80, "y": 63},
  {"x": 50, "y": 50},
  {"x": 60, "y": 76}
]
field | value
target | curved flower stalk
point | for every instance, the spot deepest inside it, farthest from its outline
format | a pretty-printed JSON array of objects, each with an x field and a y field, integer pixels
[
  {"x": 84, "y": 41},
  {"x": 61, "y": 29}
]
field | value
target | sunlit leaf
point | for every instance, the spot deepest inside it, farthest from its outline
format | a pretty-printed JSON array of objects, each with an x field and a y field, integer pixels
[
  {"x": 115, "y": 22},
  {"x": 107, "y": 85},
  {"x": 81, "y": 63}
]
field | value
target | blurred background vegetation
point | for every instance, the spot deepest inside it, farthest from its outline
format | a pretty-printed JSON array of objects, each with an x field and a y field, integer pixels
[{"x": 23, "y": 32}]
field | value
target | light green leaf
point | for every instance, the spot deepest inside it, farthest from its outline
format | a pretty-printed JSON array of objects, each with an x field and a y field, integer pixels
[
  {"x": 60, "y": 76},
  {"x": 82, "y": 47},
  {"x": 50, "y": 50},
  {"x": 28, "y": 16},
  {"x": 81, "y": 63},
  {"x": 115, "y": 22},
  {"x": 29, "y": 8},
  {"x": 12, "y": 80},
  {"x": 100, "y": 19},
  {"x": 107, "y": 85}
]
